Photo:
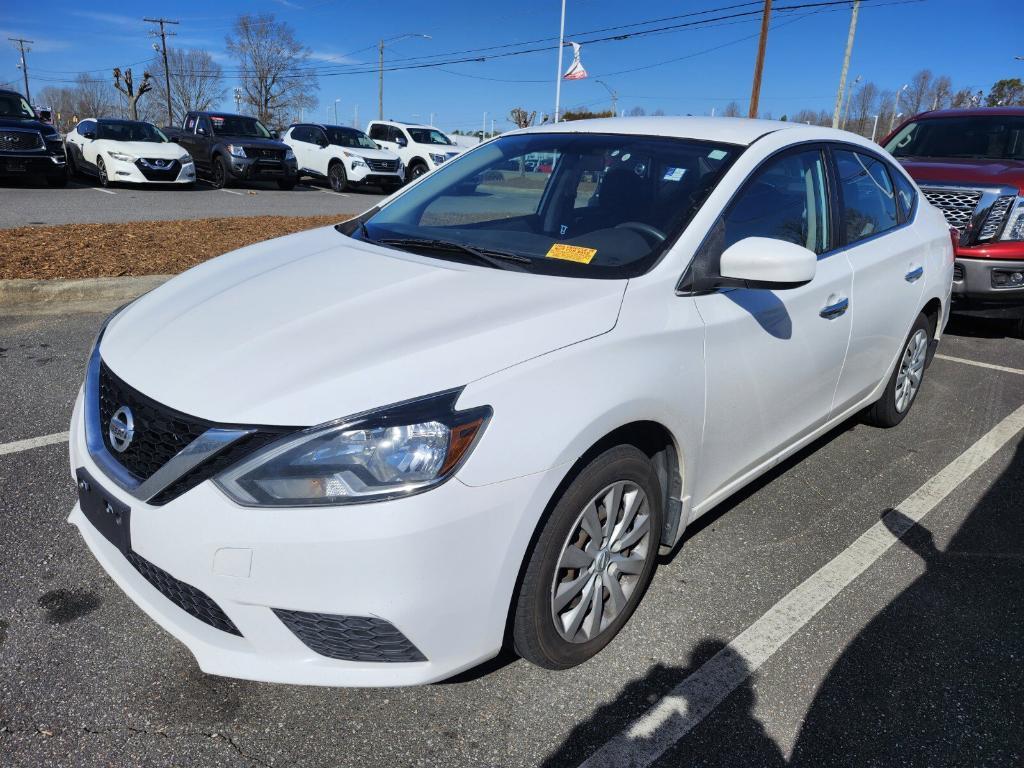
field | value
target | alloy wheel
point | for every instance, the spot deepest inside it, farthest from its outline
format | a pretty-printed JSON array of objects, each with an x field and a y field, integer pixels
[
  {"x": 337, "y": 178},
  {"x": 601, "y": 562},
  {"x": 102, "y": 168},
  {"x": 908, "y": 381}
]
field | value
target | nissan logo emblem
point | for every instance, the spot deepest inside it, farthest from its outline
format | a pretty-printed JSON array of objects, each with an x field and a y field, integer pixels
[{"x": 121, "y": 429}]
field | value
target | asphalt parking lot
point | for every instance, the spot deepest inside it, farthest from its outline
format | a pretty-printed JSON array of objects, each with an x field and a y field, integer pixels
[
  {"x": 84, "y": 203},
  {"x": 790, "y": 628}
]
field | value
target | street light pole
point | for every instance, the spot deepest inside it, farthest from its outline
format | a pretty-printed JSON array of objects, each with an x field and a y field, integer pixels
[
  {"x": 336, "y": 111},
  {"x": 896, "y": 106},
  {"x": 614, "y": 94},
  {"x": 380, "y": 74},
  {"x": 558, "y": 74},
  {"x": 874, "y": 127}
]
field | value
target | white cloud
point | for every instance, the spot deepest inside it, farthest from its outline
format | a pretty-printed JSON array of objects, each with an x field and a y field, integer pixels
[
  {"x": 333, "y": 58},
  {"x": 290, "y": 4},
  {"x": 39, "y": 44},
  {"x": 114, "y": 19}
]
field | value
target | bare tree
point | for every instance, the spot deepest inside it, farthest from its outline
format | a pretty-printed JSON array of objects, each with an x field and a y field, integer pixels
[
  {"x": 963, "y": 98},
  {"x": 732, "y": 109},
  {"x": 91, "y": 97},
  {"x": 197, "y": 82},
  {"x": 942, "y": 92},
  {"x": 918, "y": 92},
  {"x": 521, "y": 118},
  {"x": 271, "y": 59},
  {"x": 637, "y": 112},
  {"x": 125, "y": 83},
  {"x": 862, "y": 109}
]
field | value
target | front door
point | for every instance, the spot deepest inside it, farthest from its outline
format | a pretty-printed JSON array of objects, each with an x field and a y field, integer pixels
[{"x": 773, "y": 357}]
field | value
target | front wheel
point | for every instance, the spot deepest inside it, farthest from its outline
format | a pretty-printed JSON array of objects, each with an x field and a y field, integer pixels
[
  {"x": 221, "y": 174},
  {"x": 592, "y": 562},
  {"x": 337, "y": 178},
  {"x": 101, "y": 170},
  {"x": 906, "y": 380},
  {"x": 417, "y": 170}
]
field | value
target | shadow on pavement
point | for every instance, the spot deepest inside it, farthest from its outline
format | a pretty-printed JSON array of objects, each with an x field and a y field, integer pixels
[
  {"x": 981, "y": 327},
  {"x": 935, "y": 679}
]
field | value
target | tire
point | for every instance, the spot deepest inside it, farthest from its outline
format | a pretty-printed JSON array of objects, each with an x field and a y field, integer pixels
[
  {"x": 336, "y": 177},
  {"x": 101, "y": 172},
  {"x": 72, "y": 166},
  {"x": 287, "y": 184},
  {"x": 556, "y": 582},
  {"x": 896, "y": 402},
  {"x": 220, "y": 173},
  {"x": 417, "y": 170},
  {"x": 1018, "y": 328}
]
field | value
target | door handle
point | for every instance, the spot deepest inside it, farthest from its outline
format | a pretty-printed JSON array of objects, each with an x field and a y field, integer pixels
[
  {"x": 835, "y": 310},
  {"x": 914, "y": 274}
]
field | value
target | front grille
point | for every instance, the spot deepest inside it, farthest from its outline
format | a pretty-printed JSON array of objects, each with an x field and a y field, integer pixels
[
  {"x": 152, "y": 170},
  {"x": 996, "y": 216},
  {"x": 958, "y": 273},
  {"x": 160, "y": 432},
  {"x": 16, "y": 141},
  {"x": 382, "y": 166},
  {"x": 191, "y": 600},
  {"x": 259, "y": 153},
  {"x": 350, "y": 638},
  {"x": 958, "y": 205}
]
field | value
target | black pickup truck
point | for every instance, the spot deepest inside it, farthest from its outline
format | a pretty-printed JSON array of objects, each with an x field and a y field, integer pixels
[
  {"x": 228, "y": 148},
  {"x": 28, "y": 146}
]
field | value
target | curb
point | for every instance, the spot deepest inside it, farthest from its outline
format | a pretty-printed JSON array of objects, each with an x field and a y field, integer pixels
[{"x": 50, "y": 296}]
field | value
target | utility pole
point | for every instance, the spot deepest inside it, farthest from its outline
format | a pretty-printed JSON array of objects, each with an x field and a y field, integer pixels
[
  {"x": 167, "y": 72},
  {"x": 755, "y": 92},
  {"x": 380, "y": 84},
  {"x": 558, "y": 74},
  {"x": 846, "y": 63},
  {"x": 21, "y": 42}
]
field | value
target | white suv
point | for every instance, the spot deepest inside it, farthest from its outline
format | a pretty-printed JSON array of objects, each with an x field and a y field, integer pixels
[
  {"x": 356, "y": 455},
  {"x": 343, "y": 156},
  {"x": 421, "y": 147}
]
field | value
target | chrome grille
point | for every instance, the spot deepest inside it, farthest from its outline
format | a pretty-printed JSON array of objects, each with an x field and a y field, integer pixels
[
  {"x": 15, "y": 140},
  {"x": 382, "y": 166},
  {"x": 996, "y": 216},
  {"x": 958, "y": 205}
]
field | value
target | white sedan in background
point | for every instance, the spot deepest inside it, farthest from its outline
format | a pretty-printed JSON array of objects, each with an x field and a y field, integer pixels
[
  {"x": 129, "y": 151},
  {"x": 357, "y": 455}
]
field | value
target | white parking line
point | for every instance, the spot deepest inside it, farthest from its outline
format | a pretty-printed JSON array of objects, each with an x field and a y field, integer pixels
[
  {"x": 686, "y": 705},
  {"x": 230, "y": 192},
  {"x": 104, "y": 191},
  {"x": 965, "y": 361},
  {"x": 33, "y": 442}
]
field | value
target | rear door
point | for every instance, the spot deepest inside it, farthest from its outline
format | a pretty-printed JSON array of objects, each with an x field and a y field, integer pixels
[
  {"x": 774, "y": 357},
  {"x": 888, "y": 261}
]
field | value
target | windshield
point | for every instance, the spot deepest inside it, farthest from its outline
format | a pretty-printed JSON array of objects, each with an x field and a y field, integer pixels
[
  {"x": 237, "y": 125},
  {"x": 994, "y": 137},
  {"x": 429, "y": 136},
  {"x": 349, "y": 137},
  {"x": 129, "y": 130},
  {"x": 13, "y": 105},
  {"x": 585, "y": 205}
]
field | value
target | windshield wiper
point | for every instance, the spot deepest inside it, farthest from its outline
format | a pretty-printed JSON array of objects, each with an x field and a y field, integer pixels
[{"x": 491, "y": 257}]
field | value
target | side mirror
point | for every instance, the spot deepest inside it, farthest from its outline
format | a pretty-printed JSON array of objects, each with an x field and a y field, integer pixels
[
  {"x": 401, "y": 141},
  {"x": 275, "y": 135},
  {"x": 323, "y": 143},
  {"x": 762, "y": 262},
  {"x": 200, "y": 131},
  {"x": 90, "y": 135},
  {"x": 378, "y": 145}
]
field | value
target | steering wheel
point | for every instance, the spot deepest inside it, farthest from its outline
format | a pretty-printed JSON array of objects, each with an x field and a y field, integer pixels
[{"x": 644, "y": 229}]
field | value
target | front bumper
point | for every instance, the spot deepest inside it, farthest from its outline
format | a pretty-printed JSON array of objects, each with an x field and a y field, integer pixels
[
  {"x": 257, "y": 169},
  {"x": 15, "y": 164},
  {"x": 127, "y": 172},
  {"x": 361, "y": 174},
  {"x": 440, "y": 567},
  {"x": 976, "y": 292}
]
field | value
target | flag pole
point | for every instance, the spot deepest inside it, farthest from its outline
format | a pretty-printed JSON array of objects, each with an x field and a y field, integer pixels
[{"x": 558, "y": 75}]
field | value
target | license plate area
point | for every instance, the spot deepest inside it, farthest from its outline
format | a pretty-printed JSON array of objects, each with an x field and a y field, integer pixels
[
  {"x": 107, "y": 515},
  {"x": 16, "y": 166}
]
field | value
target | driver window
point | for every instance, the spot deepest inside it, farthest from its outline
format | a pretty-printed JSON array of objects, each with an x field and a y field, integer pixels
[{"x": 786, "y": 199}]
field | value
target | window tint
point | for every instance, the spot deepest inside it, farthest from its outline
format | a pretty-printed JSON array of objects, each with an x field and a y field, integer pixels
[
  {"x": 906, "y": 195},
  {"x": 301, "y": 133},
  {"x": 190, "y": 123},
  {"x": 869, "y": 202},
  {"x": 204, "y": 124},
  {"x": 379, "y": 132},
  {"x": 317, "y": 136},
  {"x": 85, "y": 126},
  {"x": 787, "y": 199},
  {"x": 397, "y": 132}
]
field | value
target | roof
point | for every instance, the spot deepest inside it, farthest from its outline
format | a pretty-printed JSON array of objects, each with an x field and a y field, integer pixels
[
  {"x": 972, "y": 112},
  {"x": 407, "y": 125},
  {"x": 727, "y": 130}
]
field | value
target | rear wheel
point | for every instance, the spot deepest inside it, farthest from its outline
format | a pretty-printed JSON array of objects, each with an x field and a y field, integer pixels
[
  {"x": 337, "y": 178},
  {"x": 906, "y": 380},
  {"x": 592, "y": 561}
]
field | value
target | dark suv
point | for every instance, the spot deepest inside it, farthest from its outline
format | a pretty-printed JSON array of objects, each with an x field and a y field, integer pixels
[
  {"x": 229, "y": 148},
  {"x": 28, "y": 146},
  {"x": 970, "y": 164}
]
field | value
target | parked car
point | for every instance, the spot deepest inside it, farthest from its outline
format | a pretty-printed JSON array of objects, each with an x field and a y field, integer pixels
[
  {"x": 232, "y": 148},
  {"x": 344, "y": 156},
  {"x": 421, "y": 147},
  {"x": 356, "y": 455},
  {"x": 127, "y": 152},
  {"x": 970, "y": 164},
  {"x": 29, "y": 147}
]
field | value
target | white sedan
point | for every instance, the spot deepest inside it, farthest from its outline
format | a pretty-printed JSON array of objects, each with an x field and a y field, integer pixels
[
  {"x": 355, "y": 455},
  {"x": 130, "y": 151}
]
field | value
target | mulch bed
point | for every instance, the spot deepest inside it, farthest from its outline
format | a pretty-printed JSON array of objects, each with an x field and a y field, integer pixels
[{"x": 137, "y": 248}]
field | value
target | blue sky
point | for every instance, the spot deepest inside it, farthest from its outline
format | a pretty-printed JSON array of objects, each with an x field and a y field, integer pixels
[{"x": 801, "y": 71}]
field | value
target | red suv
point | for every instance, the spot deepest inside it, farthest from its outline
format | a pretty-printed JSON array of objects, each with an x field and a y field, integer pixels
[{"x": 970, "y": 164}]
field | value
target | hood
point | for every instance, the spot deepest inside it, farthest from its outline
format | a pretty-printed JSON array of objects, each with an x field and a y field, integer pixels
[
  {"x": 31, "y": 125},
  {"x": 168, "y": 150},
  {"x": 372, "y": 154},
  {"x": 316, "y": 326},
  {"x": 989, "y": 173}
]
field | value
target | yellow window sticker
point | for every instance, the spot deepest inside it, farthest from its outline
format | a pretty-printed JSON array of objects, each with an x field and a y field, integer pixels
[{"x": 575, "y": 253}]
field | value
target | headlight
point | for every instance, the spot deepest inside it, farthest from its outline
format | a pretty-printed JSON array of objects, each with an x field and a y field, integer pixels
[
  {"x": 185, "y": 159},
  {"x": 289, "y": 154},
  {"x": 388, "y": 453},
  {"x": 236, "y": 150},
  {"x": 438, "y": 159},
  {"x": 1014, "y": 229},
  {"x": 122, "y": 157}
]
